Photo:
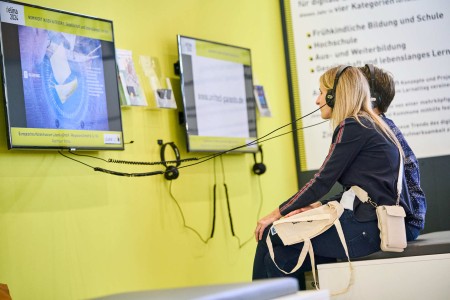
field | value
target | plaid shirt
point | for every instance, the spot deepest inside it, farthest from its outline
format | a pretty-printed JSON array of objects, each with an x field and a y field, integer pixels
[{"x": 412, "y": 175}]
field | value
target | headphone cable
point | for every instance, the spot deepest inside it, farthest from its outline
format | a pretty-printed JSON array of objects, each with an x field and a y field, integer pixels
[
  {"x": 229, "y": 207},
  {"x": 261, "y": 139},
  {"x": 183, "y": 218},
  {"x": 199, "y": 160}
]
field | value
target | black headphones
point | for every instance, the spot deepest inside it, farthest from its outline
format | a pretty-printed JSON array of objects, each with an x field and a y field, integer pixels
[
  {"x": 259, "y": 168},
  {"x": 331, "y": 94},
  {"x": 374, "y": 97},
  {"x": 171, "y": 172}
]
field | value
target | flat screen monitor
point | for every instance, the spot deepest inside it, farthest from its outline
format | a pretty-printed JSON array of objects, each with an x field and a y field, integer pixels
[
  {"x": 217, "y": 90},
  {"x": 59, "y": 80}
]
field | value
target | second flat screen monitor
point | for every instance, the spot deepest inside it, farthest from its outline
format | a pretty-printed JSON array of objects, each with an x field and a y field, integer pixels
[{"x": 217, "y": 89}]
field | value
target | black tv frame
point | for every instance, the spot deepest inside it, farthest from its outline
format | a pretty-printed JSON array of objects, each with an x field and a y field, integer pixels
[
  {"x": 110, "y": 134},
  {"x": 189, "y": 116}
]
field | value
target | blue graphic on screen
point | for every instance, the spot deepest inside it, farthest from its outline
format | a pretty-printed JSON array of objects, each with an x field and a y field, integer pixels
[{"x": 63, "y": 80}]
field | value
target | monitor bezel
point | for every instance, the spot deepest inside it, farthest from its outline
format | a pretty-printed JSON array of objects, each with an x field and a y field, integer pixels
[
  {"x": 250, "y": 146},
  {"x": 112, "y": 90}
]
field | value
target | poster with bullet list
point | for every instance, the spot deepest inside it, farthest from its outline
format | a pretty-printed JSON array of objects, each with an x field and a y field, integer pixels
[{"x": 407, "y": 38}]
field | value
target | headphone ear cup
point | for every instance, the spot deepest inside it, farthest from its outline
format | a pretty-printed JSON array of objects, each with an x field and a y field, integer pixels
[
  {"x": 171, "y": 173},
  {"x": 329, "y": 98},
  {"x": 259, "y": 168},
  {"x": 377, "y": 100},
  {"x": 331, "y": 94}
]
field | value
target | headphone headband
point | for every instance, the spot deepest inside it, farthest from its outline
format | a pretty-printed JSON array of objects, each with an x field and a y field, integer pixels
[
  {"x": 372, "y": 78},
  {"x": 373, "y": 95},
  {"x": 175, "y": 151},
  {"x": 171, "y": 171}
]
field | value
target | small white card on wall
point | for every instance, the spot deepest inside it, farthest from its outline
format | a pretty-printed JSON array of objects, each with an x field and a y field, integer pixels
[{"x": 261, "y": 101}]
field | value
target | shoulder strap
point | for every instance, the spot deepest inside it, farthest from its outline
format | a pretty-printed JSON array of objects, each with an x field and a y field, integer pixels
[
  {"x": 364, "y": 197},
  {"x": 400, "y": 179}
]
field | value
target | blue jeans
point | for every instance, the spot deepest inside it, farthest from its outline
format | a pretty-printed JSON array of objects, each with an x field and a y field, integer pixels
[
  {"x": 412, "y": 232},
  {"x": 362, "y": 238}
]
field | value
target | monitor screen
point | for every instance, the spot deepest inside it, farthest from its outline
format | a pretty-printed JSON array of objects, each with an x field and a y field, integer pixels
[
  {"x": 218, "y": 98},
  {"x": 59, "y": 80}
]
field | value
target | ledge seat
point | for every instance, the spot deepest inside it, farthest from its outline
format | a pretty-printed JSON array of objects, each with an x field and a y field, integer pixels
[
  {"x": 419, "y": 272},
  {"x": 426, "y": 244}
]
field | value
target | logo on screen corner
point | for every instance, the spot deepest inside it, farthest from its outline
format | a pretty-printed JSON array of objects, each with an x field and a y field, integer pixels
[
  {"x": 13, "y": 13},
  {"x": 188, "y": 47}
]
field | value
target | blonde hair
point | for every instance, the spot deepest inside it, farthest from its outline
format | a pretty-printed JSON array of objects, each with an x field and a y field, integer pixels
[{"x": 352, "y": 100}]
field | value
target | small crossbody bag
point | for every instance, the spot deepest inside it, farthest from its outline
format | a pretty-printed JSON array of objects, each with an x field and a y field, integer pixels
[{"x": 391, "y": 218}]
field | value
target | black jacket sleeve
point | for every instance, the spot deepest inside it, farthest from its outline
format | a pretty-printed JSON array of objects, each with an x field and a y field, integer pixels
[{"x": 348, "y": 139}]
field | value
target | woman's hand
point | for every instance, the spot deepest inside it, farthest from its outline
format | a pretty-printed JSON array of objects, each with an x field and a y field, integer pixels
[
  {"x": 266, "y": 221},
  {"x": 311, "y": 206}
]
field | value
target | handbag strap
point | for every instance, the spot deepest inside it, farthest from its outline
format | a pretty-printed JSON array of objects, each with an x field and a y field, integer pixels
[
  {"x": 340, "y": 232},
  {"x": 400, "y": 179},
  {"x": 308, "y": 248},
  {"x": 338, "y": 226},
  {"x": 364, "y": 197},
  {"x": 301, "y": 258}
]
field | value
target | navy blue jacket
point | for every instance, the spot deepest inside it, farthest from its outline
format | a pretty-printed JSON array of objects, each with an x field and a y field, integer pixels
[{"x": 359, "y": 155}]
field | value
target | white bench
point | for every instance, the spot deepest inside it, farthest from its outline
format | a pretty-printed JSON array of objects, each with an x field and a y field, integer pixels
[{"x": 422, "y": 271}]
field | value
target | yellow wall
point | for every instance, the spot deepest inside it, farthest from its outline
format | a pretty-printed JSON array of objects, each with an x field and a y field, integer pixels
[{"x": 67, "y": 232}]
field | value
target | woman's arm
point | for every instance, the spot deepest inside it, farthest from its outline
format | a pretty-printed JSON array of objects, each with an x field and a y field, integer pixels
[{"x": 348, "y": 140}]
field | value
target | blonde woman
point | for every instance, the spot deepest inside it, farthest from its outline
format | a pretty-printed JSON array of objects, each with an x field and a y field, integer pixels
[{"x": 363, "y": 152}]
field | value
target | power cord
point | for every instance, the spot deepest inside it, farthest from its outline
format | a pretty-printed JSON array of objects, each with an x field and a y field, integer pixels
[
  {"x": 205, "y": 241},
  {"x": 229, "y": 208},
  {"x": 111, "y": 171}
]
